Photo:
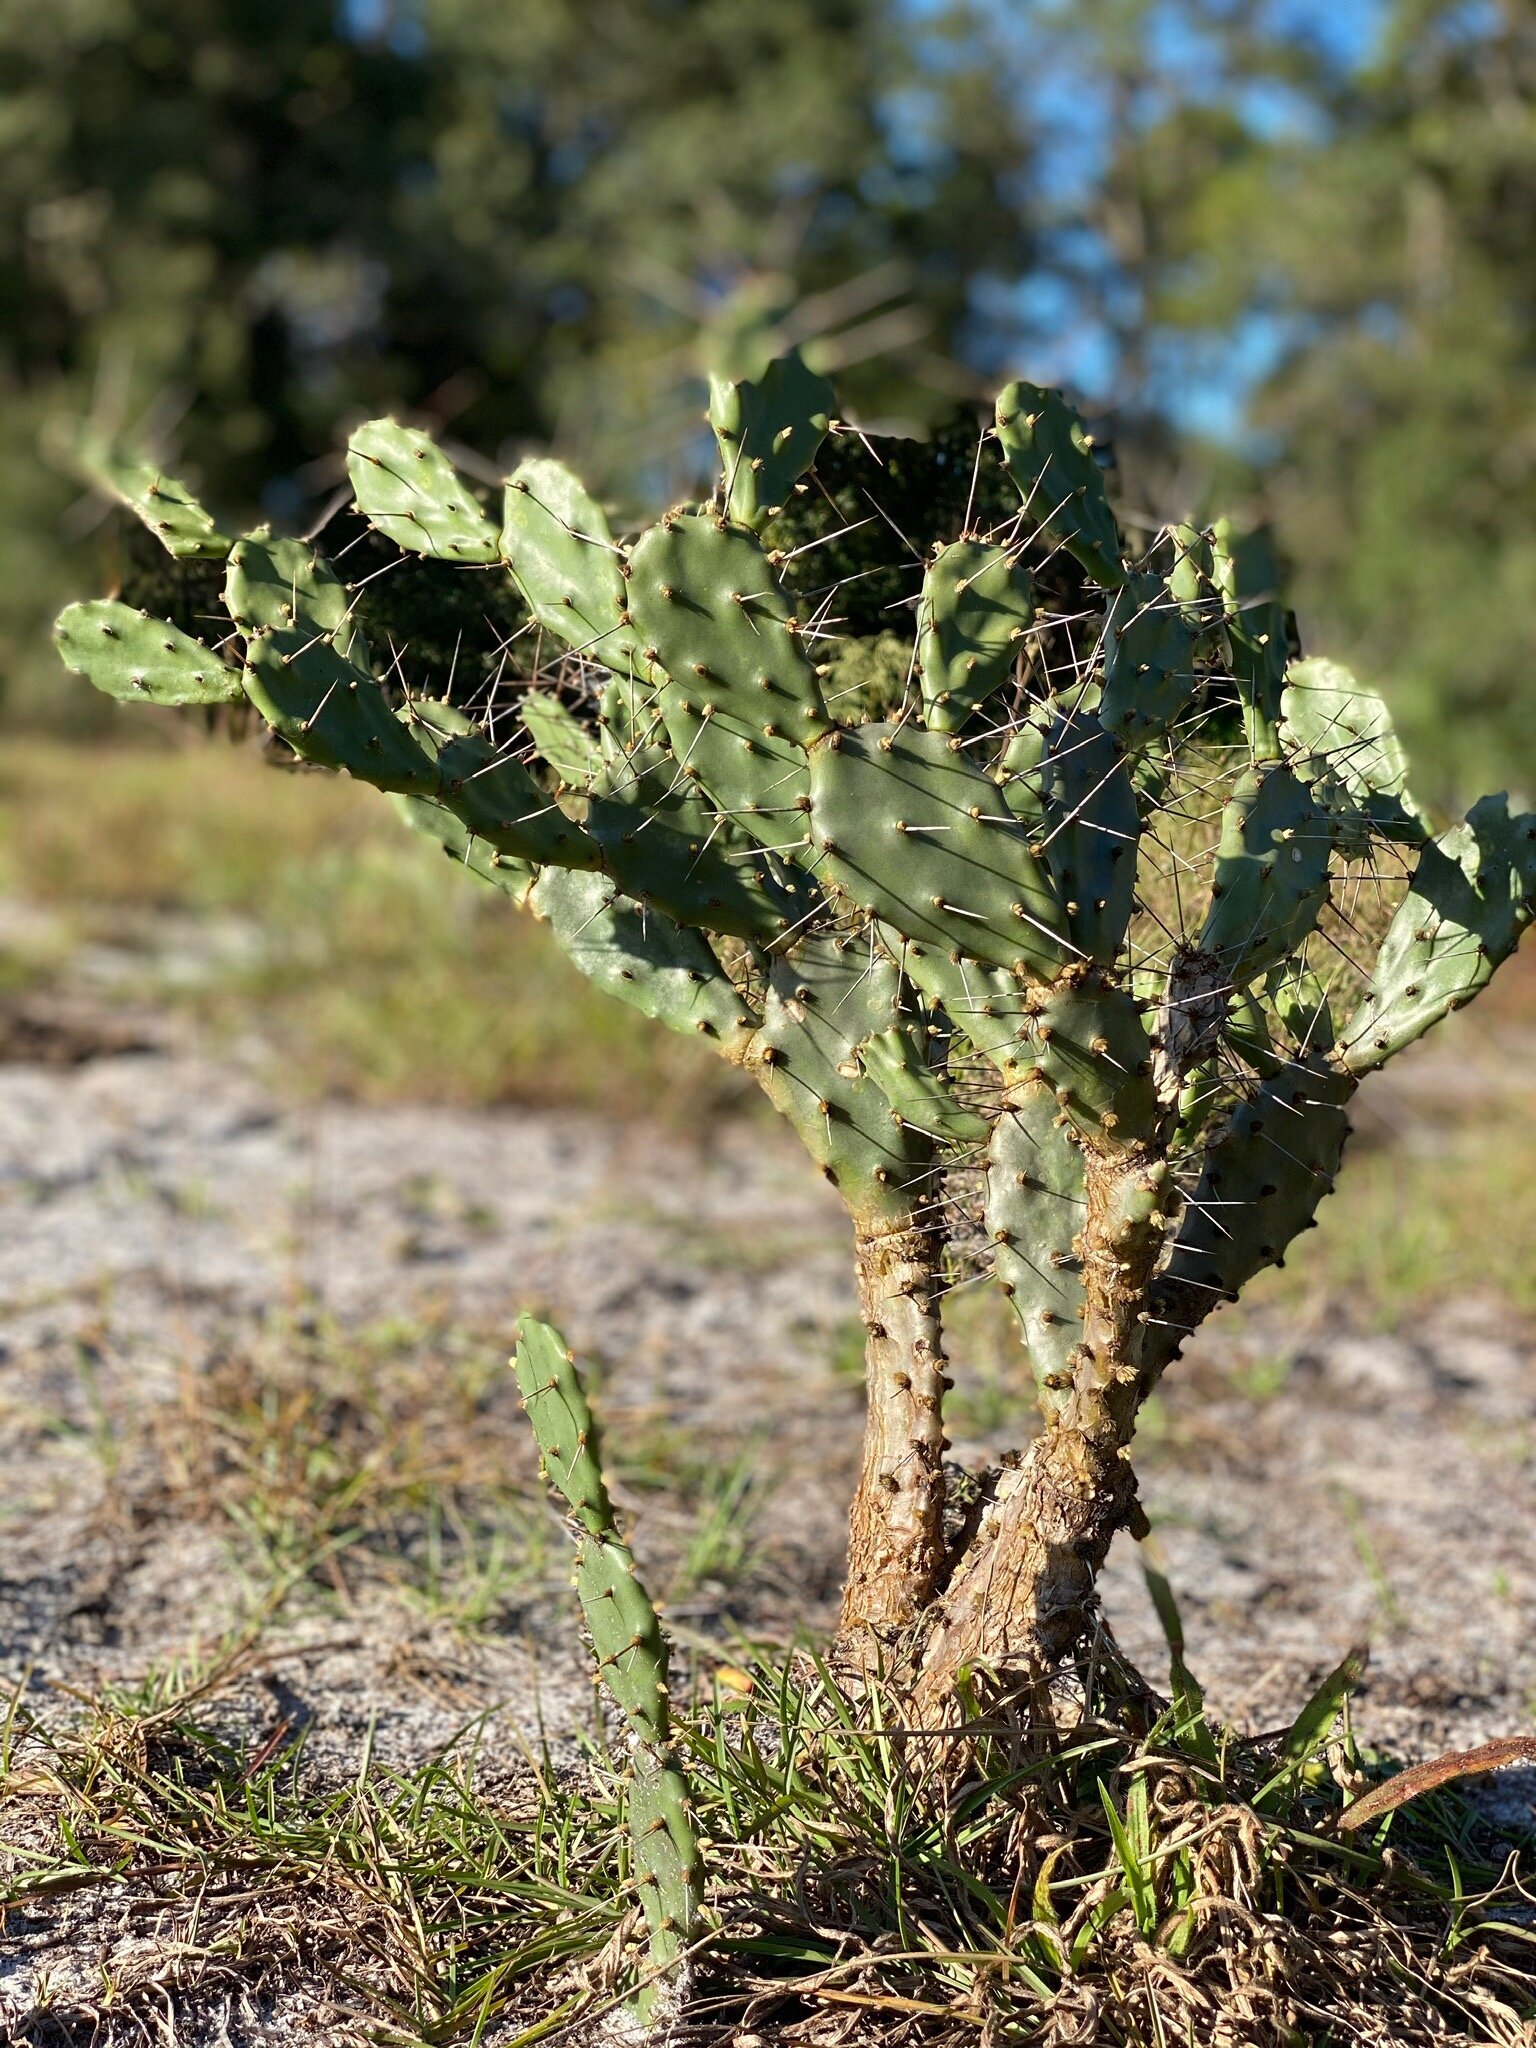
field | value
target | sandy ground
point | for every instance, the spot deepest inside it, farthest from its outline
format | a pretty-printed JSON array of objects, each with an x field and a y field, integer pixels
[{"x": 154, "y": 1206}]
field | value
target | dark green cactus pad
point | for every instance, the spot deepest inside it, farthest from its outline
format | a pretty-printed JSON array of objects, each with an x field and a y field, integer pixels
[
  {"x": 827, "y": 997},
  {"x": 911, "y": 831},
  {"x": 663, "y": 844},
  {"x": 1088, "y": 1043},
  {"x": 1185, "y": 557},
  {"x": 563, "y": 555},
  {"x": 141, "y": 659},
  {"x": 306, "y": 667},
  {"x": 1263, "y": 1177},
  {"x": 1035, "y": 1205},
  {"x": 165, "y": 505},
  {"x": 898, "y": 1065},
  {"x": 556, "y": 1404},
  {"x": 407, "y": 488},
  {"x": 1472, "y": 895},
  {"x": 498, "y": 800},
  {"x": 1018, "y": 771},
  {"x": 1202, "y": 1090},
  {"x": 742, "y": 701},
  {"x": 769, "y": 432},
  {"x": 1339, "y": 738},
  {"x": 1248, "y": 577},
  {"x": 667, "y": 1861},
  {"x": 514, "y": 878},
  {"x": 1089, "y": 828},
  {"x": 562, "y": 740},
  {"x": 985, "y": 1004},
  {"x": 976, "y": 605},
  {"x": 1149, "y": 661},
  {"x": 1050, "y": 458},
  {"x": 1300, "y": 1002},
  {"x": 649, "y": 961},
  {"x": 1271, "y": 872}
]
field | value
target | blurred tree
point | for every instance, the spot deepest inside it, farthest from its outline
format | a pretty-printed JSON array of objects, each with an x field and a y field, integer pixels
[
  {"x": 1339, "y": 243},
  {"x": 227, "y": 230}
]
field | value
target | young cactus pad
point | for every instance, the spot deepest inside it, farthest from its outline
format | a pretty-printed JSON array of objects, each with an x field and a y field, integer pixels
[
  {"x": 1052, "y": 898},
  {"x": 626, "y": 1639}
]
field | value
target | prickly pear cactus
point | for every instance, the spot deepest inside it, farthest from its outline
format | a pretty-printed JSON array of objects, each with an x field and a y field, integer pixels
[
  {"x": 1053, "y": 899},
  {"x": 626, "y": 1639}
]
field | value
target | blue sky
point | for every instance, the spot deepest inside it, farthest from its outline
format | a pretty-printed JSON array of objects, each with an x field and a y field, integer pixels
[{"x": 1203, "y": 384}]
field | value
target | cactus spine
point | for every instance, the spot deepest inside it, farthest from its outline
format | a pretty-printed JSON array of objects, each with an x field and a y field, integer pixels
[
  {"x": 627, "y": 1644},
  {"x": 1080, "y": 926}
]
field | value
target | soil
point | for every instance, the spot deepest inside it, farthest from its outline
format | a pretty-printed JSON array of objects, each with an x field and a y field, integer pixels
[{"x": 156, "y": 1207}]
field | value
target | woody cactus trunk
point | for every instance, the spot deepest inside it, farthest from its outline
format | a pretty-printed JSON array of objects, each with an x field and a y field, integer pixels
[{"x": 1051, "y": 898}]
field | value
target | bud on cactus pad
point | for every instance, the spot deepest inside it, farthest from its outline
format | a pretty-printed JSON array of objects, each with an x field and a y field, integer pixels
[{"x": 1054, "y": 900}]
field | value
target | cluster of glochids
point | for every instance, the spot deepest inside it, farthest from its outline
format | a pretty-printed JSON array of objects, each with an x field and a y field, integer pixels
[{"x": 1104, "y": 909}]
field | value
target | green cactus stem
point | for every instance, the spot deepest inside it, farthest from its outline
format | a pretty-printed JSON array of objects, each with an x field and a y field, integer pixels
[{"x": 627, "y": 1645}]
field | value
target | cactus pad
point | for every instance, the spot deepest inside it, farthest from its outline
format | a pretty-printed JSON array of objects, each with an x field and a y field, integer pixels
[
  {"x": 165, "y": 505},
  {"x": 306, "y": 667},
  {"x": 909, "y": 829},
  {"x": 1271, "y": 872},
  {"x": 1050, "y": 458},
  {"x": 407, "y": 488},
  {"x": 657, "y": 966},
  {"x": 626, "y": 1639},
  {"x": 1340, "y": 740},
  {"x": 976, "y": 605},
  {"x": 741, "y": 702},
  {"x": 1089, "y": 826},
  {"x": 563, "y": 555},
  {"x": 827, "y": 997},
  {"x": 1036, "y": 1200},
  {"x": 1263, "y": 1177},
  {"x": 569, "y": 748},
  {"x": 768, "y": 433},
  {"x": 1149, "y": 661},
  {"x": 1088, "y": 1044},
  {"x": 128, "y": 654},
  {"x": 1473, "y": 893}
]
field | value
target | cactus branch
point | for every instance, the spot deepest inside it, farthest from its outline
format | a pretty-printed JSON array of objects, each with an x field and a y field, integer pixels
[{"x": 895, "y": 1531}]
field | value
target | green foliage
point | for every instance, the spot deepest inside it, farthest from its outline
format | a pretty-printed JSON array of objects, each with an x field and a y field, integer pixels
[{"x": 222, "y": 236}]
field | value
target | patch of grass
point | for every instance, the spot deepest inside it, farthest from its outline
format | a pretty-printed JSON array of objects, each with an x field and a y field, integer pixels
[
  {"x": 1121, "y": 1872},
  {"x": 395, "y": 1459},
  {"x": 336, "y": 1459},
  {"x": 299, "y": 906}
]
